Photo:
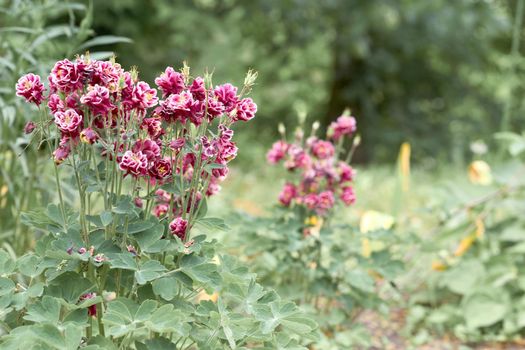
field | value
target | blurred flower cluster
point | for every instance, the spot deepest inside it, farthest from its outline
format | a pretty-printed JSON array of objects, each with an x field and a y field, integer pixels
[{"x": 322, "y": 176}]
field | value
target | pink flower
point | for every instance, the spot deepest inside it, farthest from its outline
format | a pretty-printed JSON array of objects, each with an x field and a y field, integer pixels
[
  {"x": 68, "y": 122},
  {"x": 178, "y": 227},
  {"x": 29, "y": 127},
  {"x": 133, "y": 163},
  {"x": 138, "y": 202},
  {"x": 177, "y": 144},
  {"x": 160, "y": 169},
  {"x": 143, "y": 96},
  {"x": 246, "y": 110},
  {"x": 310, "y": 201},
  {"x": 132, "y": 249},
  {"x": 92, "y": 310},
  {"x": 348, "y": 195},
  {"x": 67, "y": 76},
  {"x": 213, "y": 187},
  {"x": 226, "y": 134},
  {"x": 277, "y": 152},
  {"x": 215, "y": 108},
  {"x": 323, "y": 149},
  {"x": 98, "y": 100},
  {"x": 160, "y": 209},
  {"x": 170, "y": 82},
  {"x": 325, "y": 202},
  {"x": 176, "y": 107},
  {"x": 344, "y": 125},
  {"x": 197, "y": 89},
  {"x": 346, "y": 172},
  {"x": 106, "y": 74},
  {"x": 148, "y": 148},
  {"x": 89, "y": 136},
  {"x": 100, "y": 258},
  {"x": 31, "y": 88},
  {"x": 153, "y": 126},
  {"x": 288, "y": 193},
  {"x": 55, "y": 104},
  {"x": 227, "y": 95},
  {"x": 60, "y": 154},
  {"x": 298, "y": 158}
]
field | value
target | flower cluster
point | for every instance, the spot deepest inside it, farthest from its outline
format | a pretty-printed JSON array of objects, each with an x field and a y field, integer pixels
[
  {"x": 180, "y": 133},
  {"x": 320, "y": 177}
]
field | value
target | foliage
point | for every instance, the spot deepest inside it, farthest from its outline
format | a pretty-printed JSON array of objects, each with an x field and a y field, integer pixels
[
  {"x": 419, "y": 71},
  {"x": 476, "y": 287},
  {"x": 307, "y": 253}
]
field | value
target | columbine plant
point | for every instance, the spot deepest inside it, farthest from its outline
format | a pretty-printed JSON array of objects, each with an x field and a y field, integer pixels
[
  {"x": 125, "y": 271},
  {"x": 305, "y": 254}
]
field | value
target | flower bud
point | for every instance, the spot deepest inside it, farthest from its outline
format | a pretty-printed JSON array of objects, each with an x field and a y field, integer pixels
[{"x": 30, "y": 126}]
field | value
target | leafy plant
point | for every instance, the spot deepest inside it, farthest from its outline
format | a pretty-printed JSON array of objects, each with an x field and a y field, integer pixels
[
  {"x": 114, "y": 272},
  {"x": 306, "y": 251},
  {"x": 475, "y": 288}
]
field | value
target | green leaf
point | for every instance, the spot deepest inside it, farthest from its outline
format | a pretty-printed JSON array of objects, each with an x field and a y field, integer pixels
[
  {"x": 165, "y": 287},
  {"x": 7, "y": 265},
  {"x": 29, "y": 265},
  {"x": 483, "y": 310},
  {"x": 104, "y": 40},
  {"x": 212, "y": 224},
  {"x": 360, "y": 280},
  {"x": 106, "y": 218},
  {"x": 46, "y": 310},
  {"x": 147, "y": 238},
  {"x": 69, "y": 286},
  {"x": 149, "y": 271},
  {"x": 463, "y": 278}
]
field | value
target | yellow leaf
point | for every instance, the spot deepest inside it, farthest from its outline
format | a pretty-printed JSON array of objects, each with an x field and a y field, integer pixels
[
  {"x": 404, "y": 165},
  {"x": 366, "y": 251},
  {"x": 479, "y": 173},
  {"x": 465, "y": 245},
  {"x": 438, "y": 265},
  {"x": 372, "y": 220}
]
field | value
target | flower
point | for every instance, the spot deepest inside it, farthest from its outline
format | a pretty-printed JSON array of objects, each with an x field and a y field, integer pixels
[
  {"x": 227, "y": 95},
  {"x": 147, "y": 147},
  {"x": 348, "y": 195},
  {"x": 246, "y": 110},
  {"x": 325, "y": 202},
  {"x": 178, "y": 227},
  {"x": 277, "y": 152},
  {"x": 153, "y": 126},
  {"x": 67, "y": 76},
  {"x": 29, "y": 127},
  {"x": 88, "y": 136},
  {"x": 61, "y": 153},
  {"x": 288, "y": 193},
  {"x": 323, "y": 149},
  {"x": 479, "y": 173},
  {"x": 68, "y": 122},
  {"x": 31, "y": 88},
  {"x": 346, "y": 172},
  {"x": 197, "y": 89},
  {"x": 344, "y": 125},
  {"x": 160, "y": 169},
  {"x": 177, "y": 107},
  {"x": 160, "y": 210},
  {"x": 143, "y": 96},
  {"x": 92, "y": 309},
  {"x": 100, "y": 258},
  {"x": 134, "y": 163},
  {"x": 98, "y": 100},
  {"x": 170, "y": 82}
]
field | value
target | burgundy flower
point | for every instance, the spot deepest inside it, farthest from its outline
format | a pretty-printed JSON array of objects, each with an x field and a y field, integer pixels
[
  {"x": 134, "y": 163},
  {"x": 160, "y": 210},
  {"x": 160, "y": 169},
  {"x": 177, "y": 144},
  {"x": 344, "y": 125},
  {"x": 227, "y": 95},
  {"x": 323, "y": 149},
  {"x": 29, "y": 127},
  {"x": 288, "y": 193},
  {"x": 98, "y": 100},
  {"x": 92, "y": 310},
  {"x": 143, "y": 96},
  {"x": 105, "y": 73},
  {"x": 147, "y": 147},
  {"x": 88, "y": 136},
  {"x": 178, "y": 227},
  {"x": 176, "y": 107},
  {"x": 153, "y": 126},
  {"x": 31, "y": 88},
  {"x": 310, "y": 201},
  {"x": 55, "y": 104},
  {"x": 215, "y": 108},
  {"x": 67, "y": 76},
  {"x": 246, "y": 110},
  {"x": 277, "y": 152},
  {"x": 68, "y": 122},
  {"x": 325, "y": 202},
  {"x": 348, "y": 195},
  {"x": 197, "y": 89},
  {"x": 170, "y": 82},
  {"x": 346, "y": 172}
]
